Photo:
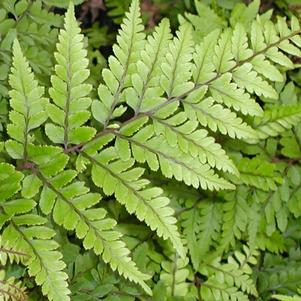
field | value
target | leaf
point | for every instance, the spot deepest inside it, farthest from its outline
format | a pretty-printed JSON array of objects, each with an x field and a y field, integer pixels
[
  {"x": 245, "y": 78},
  {"x": 147, "y": 203},
  {"x": 25, "y": 99},
  {"x": 277, "y": 120},
  {"x": 43, "y": 260},
  {"x": 10, "y": 181},
  {"x": 122, "y": 65},
  {"x": 173, "y": 81},
  {"x": 223, "y": 91},
  {"x": 217, "y": 117},
  {"x": 69, "y": 92}
]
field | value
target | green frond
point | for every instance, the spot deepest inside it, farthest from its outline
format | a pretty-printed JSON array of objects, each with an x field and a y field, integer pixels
[
  {"x": 90, "y": 202},
  {"x": 289, "y": 143},
  {"x": 216, "y": 117},
  {"x": 264, "y": 67},
  {"x": 155, "y": 151},
  {"x": 11, "y": 288},
  {"x": 145, "y": 92},
  {"x": 210, "y": 214},
  {"x": 223, "y": 59},
  {"x": 127, "y": 51},
  {"x": 27, "y": 103},
  {"x": 203, "y": 67},
  {"x": 174, "y": 275},
  {"x": 257, "y": 173},
  {"x": 277, "y": 120},
  {"x": 235, "y": 217},
  {"x": 282, "y": 276},
  {"x": 119, "y": 178},
  {"x": 69, "y": 92},
  {"x": 183, "y": 133},
  {"x": 206, "y": 21},
  {"x": 201, "y": 229},
  {"x": 226, "y": 92},
  {"x": 244, "y": 15},
  {"x": 190, "y": 223},
  {"x": 248, "y": 79},
  {"x": 216, "y": 289},
  {"x": 236, "y": 272},
  {"x": 176, "y": 67},
  {"x": 72, "y": 206},
  {"x": 27, "y": 234}
]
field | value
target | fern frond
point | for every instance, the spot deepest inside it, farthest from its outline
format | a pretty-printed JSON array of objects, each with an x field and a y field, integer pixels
[
  {"x": 177, "y": 64},
  {"x": 278, "y": 119},
  {"x": 226, "y": 92},
  {"x": 236, "y": 272},
  {"x": 27, "y": 103},
  {"x": 202, "y": 227},
  {"x": 130, "y": 42},
  {"x": 147, "y": 147},
  {"x": 9, "y": 255},
  {"x": 190, "y": 224},
  {"x": 26, "y": 239},
  {"x": 119, "y": 178},
  {"x": 69, "y": 92},
  {"x": 174, "y": 275},
  {"x": 11, "y": 289},
  {"x": 211, "y": 214},
  {"x": 244, "y": 15},
  {"x": 178, "y": 131},
  {"x": 248, "y": 79},
  {"x": 117, "y": 9},
  {"x": 216, "y": 289},
  {"x": 227, "y": 67},
  {"x": 71, "y": 205},
  {"x": 223, "y": 59},
  {"x": 216, "y": 117},
  {"x": 27, "y": 234},
  {"x": 235, "y": 217},
  {"x": 257, "y": 173},
  {"x": 205, "y": 22},
  {"x": 203, "y": 67},
  {"x": 145, "y": 81},
  {"x": 281, "y": 276}
]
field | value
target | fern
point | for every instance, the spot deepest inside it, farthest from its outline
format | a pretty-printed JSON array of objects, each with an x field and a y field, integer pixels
[
  {"x": 94, "y": 181},
  {"x": 10, "y": 289},
  {"x": 26, "y": 234},
  {"x": 173, "y": 276},
  {"x": 68, "y": 91},
  {"x": 233, "y": 275}
]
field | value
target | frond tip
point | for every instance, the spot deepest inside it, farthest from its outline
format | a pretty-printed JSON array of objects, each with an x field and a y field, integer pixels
[
  {"x": 27, "y": 102},
  {"x": 69, "y": 91}
]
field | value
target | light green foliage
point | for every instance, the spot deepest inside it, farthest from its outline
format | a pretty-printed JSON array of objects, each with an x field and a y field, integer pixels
[
  {"x": 36, "y": 28},
  {"x": 287, "y": 298},
  {"x": 27, "y": 103},
  {"x": 27, "y": 234},
  {"x": 30, "y": 240},
  {"x": 69, "y": 92},
  {"x": 11, "y": 289},
  {"x": 177, "y": 178},
  {"x": 127, "y": 53}
]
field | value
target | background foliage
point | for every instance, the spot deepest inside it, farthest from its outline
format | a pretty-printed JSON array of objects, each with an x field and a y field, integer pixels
[{"x": 67, "y": 230}]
